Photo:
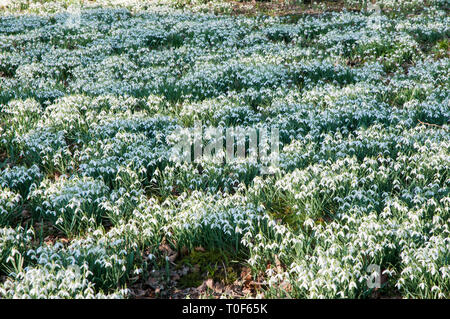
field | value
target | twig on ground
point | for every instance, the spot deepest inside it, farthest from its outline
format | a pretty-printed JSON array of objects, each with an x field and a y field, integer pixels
[{"x": 434, "y": 125}]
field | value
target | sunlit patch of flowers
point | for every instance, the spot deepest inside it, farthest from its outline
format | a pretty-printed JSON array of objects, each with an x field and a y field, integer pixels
[
  {"x": 9, "y": 205},
  {"x": 72, "y": 204},
  {"x": 89, "y": 116},
  {"x": 20, "y": 178},
  {"x": 53, "y": 282},
  {"x": 13, "y": 242}
]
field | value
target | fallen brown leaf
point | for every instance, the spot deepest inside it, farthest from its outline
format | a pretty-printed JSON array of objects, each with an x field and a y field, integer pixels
[
  {"x": 210, "y": 283},
  {"x": 173, "y": 257}
]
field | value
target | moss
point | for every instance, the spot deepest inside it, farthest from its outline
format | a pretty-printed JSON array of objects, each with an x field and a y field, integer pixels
[
  {"x": 442, "y": 49},
  {"x": 214, "y": 264},
  {"x": 192, "y": 279},
  {"x": 443, "y": 45},
  {"x": 280, "y": 208},
  {"x": 201, "y": 258}
]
